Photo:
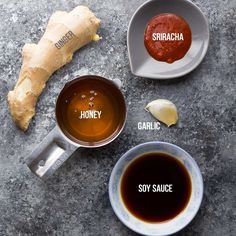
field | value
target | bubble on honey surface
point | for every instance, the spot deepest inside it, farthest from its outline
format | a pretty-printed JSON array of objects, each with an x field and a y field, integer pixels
[
  {"x": 92, "y": 91},
  {"x": 95, "y": 94},
  {"x": 75, "y": 110},
  {"x": 83, "y": 96},
  {"x": 91, "y": 104},
  {"x": 66, "y": 101},
  {"x": 91, "y": 99}
]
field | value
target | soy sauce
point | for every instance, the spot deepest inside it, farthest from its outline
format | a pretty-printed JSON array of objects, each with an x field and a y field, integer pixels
[{"x": 155, "y": 169}]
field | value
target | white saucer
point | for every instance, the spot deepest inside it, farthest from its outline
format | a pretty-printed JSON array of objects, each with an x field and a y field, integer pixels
[{"x": 167, "y": 227}]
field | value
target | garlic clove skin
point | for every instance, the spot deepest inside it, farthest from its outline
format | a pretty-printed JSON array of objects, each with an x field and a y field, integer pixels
[{"x": 164, "y": 111}]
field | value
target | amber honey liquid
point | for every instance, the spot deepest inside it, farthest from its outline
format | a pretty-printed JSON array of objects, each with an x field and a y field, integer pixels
[{"x": 90, "y": 95}]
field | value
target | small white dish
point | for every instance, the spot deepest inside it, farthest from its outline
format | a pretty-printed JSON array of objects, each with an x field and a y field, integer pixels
[
  {"x": 163, "y": 228},
  {"x": 142, "y": 64}
]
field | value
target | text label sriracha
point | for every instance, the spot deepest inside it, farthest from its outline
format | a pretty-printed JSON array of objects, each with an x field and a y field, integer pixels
[{"x": 167, "y": 37}]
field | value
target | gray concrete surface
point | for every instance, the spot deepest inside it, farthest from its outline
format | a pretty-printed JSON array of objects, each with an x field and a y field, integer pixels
[{"x": 75, "y": 200}]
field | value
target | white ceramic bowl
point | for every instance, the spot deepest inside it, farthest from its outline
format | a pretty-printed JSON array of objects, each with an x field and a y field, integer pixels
[
  {"x": 142, "y": 64},
  {"x": 167, "y": 227}
]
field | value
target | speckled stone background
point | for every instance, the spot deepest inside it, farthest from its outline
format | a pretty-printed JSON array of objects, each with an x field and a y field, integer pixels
[{"x": 75, "y": 200}]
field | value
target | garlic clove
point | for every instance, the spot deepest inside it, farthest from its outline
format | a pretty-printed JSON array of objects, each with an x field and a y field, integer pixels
[{"x": 163, "y": 110}]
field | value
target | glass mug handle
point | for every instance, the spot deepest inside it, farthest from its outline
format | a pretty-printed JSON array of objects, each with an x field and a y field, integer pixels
[{"x": 50, "y": 154}]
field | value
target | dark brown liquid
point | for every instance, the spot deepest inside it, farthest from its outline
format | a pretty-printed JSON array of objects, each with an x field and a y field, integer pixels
[
  {"x": 90, "y": 93},
  {"x": 155, "y": 168}
]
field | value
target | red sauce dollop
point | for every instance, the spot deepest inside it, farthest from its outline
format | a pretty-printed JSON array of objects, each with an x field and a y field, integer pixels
[{"x": 167, "y": 50}]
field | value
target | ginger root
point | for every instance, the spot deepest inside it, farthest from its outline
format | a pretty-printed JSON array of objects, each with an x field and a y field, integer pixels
[{"x": 65, "y": 33}]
